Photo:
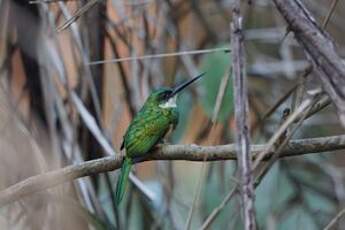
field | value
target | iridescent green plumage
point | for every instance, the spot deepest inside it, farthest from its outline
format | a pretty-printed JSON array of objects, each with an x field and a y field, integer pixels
[
  {"x": 149, "y": 126},
  {"x": 158, "y": 115}
]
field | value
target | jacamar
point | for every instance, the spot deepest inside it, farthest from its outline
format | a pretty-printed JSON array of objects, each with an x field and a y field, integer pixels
[{"x": 156, "y": 118}]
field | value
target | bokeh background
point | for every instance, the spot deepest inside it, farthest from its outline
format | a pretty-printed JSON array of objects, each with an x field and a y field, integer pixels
[{"x": 42, "y": 128}]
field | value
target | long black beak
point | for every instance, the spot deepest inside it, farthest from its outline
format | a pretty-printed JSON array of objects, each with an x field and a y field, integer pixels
[{"x": 180, "y": 87}]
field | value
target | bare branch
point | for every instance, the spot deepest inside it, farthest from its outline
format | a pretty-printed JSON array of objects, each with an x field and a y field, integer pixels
[
  {"x": 241, "y": 116},
  {"x": 330, "y": 12},
  {"x": 218, "y": 209},
  {"x": 77, "y": 14},
  {"x": 320, "y": 49},
  {"x": 334, "y": 221},
  {"x": 169, "y": 152},
  {"x": 163, "y": 55},
  {"x": 273, "y": 140},
  {"x": 220, "y": 95},
  {"x": 197, "y": 193},
  {"x": 49, "y": 1}
]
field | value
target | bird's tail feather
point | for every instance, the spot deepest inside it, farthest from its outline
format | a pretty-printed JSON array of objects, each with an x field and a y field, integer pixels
[{"x": 123, "y": 178}]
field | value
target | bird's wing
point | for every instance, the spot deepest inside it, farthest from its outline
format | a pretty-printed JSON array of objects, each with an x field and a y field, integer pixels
[{"x": 144, "y": 133}]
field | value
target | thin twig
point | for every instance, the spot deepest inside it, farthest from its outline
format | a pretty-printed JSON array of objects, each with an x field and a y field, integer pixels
[
  {"x": 333, "y": 222},
  {"x": 86, "y": 69},
  {"x": 49, "y": 1},
  {"x": 281, "y": 130},
  {"x": 220, "y": 95},
  {"x": 218, "y": 209},
  {"x": 197, "y": 193},
  {"x": 162, "y": 55},
  {"x": 319, "y": 105},
  {"x": 330, "y": 12},
  {"x": 324, "y": 22},
  {"x": 281, "y": 146},
  {"x": 77, "y": 14},
  {"x": 279, "y": 102}
]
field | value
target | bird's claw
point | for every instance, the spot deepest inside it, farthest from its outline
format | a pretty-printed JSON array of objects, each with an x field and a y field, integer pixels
[{"x": 161, "y": 144}]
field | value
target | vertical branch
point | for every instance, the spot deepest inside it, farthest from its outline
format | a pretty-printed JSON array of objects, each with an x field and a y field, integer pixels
[{"x": 241, "y": 115}]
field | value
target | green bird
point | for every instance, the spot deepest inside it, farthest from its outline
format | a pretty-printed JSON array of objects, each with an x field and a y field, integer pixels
[{"x": 156, "y": 118}]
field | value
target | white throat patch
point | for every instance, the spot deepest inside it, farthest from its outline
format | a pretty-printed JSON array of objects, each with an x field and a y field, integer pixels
[{"x": 171, "y": 103}]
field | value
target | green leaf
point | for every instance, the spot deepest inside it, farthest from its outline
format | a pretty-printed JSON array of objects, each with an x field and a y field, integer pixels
[
  {"x": 272, "y": 193},
  {"x": 184, "y": 107},
  {"x": 297, "y": 218},
  {"x": 215, "y": 192},
  {"x": 216, "y": 65}
]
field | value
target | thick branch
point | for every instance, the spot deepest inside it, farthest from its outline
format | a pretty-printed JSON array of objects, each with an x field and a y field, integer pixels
[
  {"x": 320, "y": 49},
  {"x": 170, "y": 152}
]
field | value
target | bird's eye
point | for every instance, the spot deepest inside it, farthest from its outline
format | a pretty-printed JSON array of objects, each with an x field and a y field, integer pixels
[{"x": 165, "y": 95}]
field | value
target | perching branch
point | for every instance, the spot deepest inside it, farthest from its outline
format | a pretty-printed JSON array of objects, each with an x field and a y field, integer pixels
[
  {"x": 169, "y": 152},
  {"x": 241, "y": 118}
]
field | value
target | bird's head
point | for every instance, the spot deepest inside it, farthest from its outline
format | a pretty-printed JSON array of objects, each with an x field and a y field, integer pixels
[{"x": 166, "y": 97}]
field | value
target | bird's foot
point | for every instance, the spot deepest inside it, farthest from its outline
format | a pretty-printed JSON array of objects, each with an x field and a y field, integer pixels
[
  {"x": 161, "y": 144},
  {"x": 162, "y": 141}
]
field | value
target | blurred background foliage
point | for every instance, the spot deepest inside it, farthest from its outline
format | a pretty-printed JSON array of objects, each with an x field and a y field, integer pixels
[{"x": 42, "y": 128}]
